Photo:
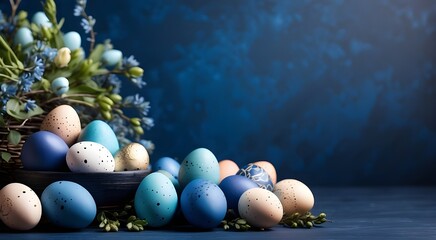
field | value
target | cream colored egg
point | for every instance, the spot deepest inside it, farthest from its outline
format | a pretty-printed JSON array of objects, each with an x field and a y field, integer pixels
[
  {"x": 227, "y": 168},
  {"x": 295, "y": 196},
  {"x": 64, "y": 122},
  {"x": 269, "y": 168},
  {"x": 260, "y": 207},
  {"x": 20, "y": 207},
  {"x": 131, "y": 157}
]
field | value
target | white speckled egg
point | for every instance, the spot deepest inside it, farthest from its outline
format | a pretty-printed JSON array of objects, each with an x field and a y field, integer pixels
[
  {"x": 64, "y": 122},
  {"x": 295, "y": 196},
  {"x": 131, "y": 157},
  {"x": 20, "y": 207},
  {"x": 260, "y": 207},
  {"x": 89, "y": 157}
]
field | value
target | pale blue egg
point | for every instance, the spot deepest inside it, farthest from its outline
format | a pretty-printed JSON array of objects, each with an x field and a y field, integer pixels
[
  {"x": 199, "y": 164},
  {"x": 111, "y": 57},
  {"x": 100, "y": 132},
  {"x": 23, "y": 36},
  {"x": 174, "y": 181},
  {"x": 168, "y": 164},
  {"x": 68, "y": 204},
  {"x": 156, "y": 200},
  {"x": 40, "y": 19},
  {"x": 60, "y": 86},
  {"x": 72, "y": 40}
]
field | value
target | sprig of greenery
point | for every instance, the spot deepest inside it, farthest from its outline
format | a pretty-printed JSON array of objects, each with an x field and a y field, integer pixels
[
  {"x": 236, "y": 224},
  {"x": 110, "y": 220},
  {"x": 306, "y": 220}
]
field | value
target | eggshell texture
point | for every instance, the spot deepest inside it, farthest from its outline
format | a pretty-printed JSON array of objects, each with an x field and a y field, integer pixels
[
  {"x": 90, "y": 157},
  {"x": 233, "y": 187},
  {"x": 199, "y": 164},
  {"x": 174, "y": 181},
  {"x": 295, "y": 196},
  {"x": 257, "y": 174},
  {"x": 269, "y": 168},
  {"x": 111, "y": 57},
  {"x": 227, "y": 168},
  {"x": 20, "y": 207},
  {"x": 100, "y": 132},
  {"x": 23, "y": 36},
  {"x": 131, "y": 157},
  {"x": 168, "y": 164},
  {"x": 64, "y": 122},
  {"x": 156, "y": 200},
  {"x": 260, "y": 207},
  {"x": 72, "y": 40},
  {"x": 68, "y": 204},
  {"x": 44, "y": 151},
  {"x": 203, "y": 204}
]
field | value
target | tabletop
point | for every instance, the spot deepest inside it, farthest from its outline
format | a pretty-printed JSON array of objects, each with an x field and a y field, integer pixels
[{"x": 355, "y": 213}]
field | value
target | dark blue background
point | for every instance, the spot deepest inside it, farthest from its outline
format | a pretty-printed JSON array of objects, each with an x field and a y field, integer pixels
[{"x": 331, "y": 92}]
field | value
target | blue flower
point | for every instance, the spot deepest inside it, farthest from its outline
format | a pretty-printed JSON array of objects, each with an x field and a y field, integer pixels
[
  {"x": 87, "y": 24},
  {"x": 147, "y": 122},
  {"x": 26, "y": 81},
  {"x": 147, "y": 144},
  {"x": 38, "y": 70},
  {"x": 78, "y": 10},
  {"x": 130, "y": 62},
  {"x": 138, "y": 82},
  {"x": 134, "y": 100},
  {"x": 30, "y": 105},
  {"x": 9, "y": 89}
]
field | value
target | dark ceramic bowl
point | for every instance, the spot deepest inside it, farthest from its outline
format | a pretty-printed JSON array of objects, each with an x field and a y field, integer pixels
[{"x": 110, "y": 189}]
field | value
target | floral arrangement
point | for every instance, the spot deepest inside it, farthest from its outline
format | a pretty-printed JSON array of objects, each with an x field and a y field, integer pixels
[{"x": 42, "y": 67}]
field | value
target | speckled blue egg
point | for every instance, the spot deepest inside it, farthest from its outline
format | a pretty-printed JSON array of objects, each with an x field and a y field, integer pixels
[
  {"x": 258, "y": 175},
  {"x": 100, "y": 132},
  {"x": 233, "y": 187},
  {"x": 156, "y": 200},
  {"x": 199, "y": 164},
  {"x": 44, "y": 151},
  {"x": 203, "y": 204},
  {"x": 68, "y": 204},
  {"x": 174, "y": 181},
  {"x": 168, "y": 164}
]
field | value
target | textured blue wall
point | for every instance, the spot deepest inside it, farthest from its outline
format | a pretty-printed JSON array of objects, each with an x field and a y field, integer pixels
[{"x": 331, "y": 92}]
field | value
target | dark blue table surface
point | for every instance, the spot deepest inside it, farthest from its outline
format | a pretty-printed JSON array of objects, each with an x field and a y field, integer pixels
[{"x": 356, "y": 213}]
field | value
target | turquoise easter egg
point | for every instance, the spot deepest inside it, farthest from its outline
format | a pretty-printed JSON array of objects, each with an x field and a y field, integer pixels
[
  {"x": 23, "y": 36},
  {"x": 199, "y": 164},
  {"x": 111, "y": 57},
  {"x": 100, "y": 132},
  {"x": 60, "y": 86},
  {"x": 72, "y": 40},
  {"x": 40, "y": 19}
]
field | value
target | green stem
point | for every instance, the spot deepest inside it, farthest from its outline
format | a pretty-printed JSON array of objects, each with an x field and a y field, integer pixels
[{"x": 8, "y": 77}]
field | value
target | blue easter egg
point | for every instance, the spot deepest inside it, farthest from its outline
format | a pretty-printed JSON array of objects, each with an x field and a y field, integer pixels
[
  {"x": 100, "y": 132},
  {"x": 68, "y": 204},
  {"x": 156, "y": 200},
  {"x": 199, "y": 164},
  {"x": 44, "y": 151},
  {"x": 174, "y": 181},
  {"x": 233, "y": 187},
  {"x": 23, "y": 36},
  {"x": 111, "y": 57},
  {"x": 258, "y": 175},
  {"x": 40, "y": 19},
  {"x": 60, "y": 86},
  {"x": 168, "y": 164},
  {"x": 72, "y": 40},
  {"x": 203, "y": 204}
]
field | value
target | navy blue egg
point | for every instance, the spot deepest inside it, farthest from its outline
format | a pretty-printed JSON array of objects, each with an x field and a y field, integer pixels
[
  {"x": 44, "y": 151},
  {"x": 203, "y": 204},
  {"x": 233, "y": 187},
  {"x": 258, "y": 175},
  {"x": 168, "y": 164}
]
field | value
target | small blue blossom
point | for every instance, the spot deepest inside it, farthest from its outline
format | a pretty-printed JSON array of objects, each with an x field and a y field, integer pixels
[
  {"x": 130, "y": 62},
  {"x": 115, "y": 82},
  {"x": 30, "y": 105},
  {"x": 138, "y": 82},
  {"x": 134, "y": 100},
  {"x": 87, "y": 24},
  {"x": 148, "y": 122},
  {"x": 78, "y": 10},
  {"x": 38, "y": 70},
  {"x": 9, "y": 89},
  {"x": 26, "y": 81},
  {"x": 147, "y": 144}
]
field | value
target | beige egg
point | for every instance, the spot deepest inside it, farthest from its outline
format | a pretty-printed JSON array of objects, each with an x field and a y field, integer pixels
[
  {"x": 227, "y": 168},
  {"x": 295, "y": 196},
  {"x": 269, "y": 168},
  {"x": 20, "y": 207},
  {"x": 260, "y": 207},
  {"x": 131, "y": 157},
  {"x": 64, "y": 122}
]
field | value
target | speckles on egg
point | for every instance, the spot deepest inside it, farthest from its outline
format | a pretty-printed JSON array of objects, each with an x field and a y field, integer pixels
[
  {"x": 201, "y": 163},
  {"x": 295, "y": 196},
  {"x": 64, "y": 122},
  {"x": 89, "y": 157}
]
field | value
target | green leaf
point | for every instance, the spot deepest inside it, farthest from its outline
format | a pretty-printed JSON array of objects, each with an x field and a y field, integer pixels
[
  {"x": 6, "y": 156},
  {"x": 16, "y": 109},
  {"x": 86, "y": 89},
  {"x": 97, "y": 53},
  {"x": 14, "y": 137}
]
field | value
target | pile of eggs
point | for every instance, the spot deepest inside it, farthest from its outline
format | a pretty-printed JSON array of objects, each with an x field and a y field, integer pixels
[{"x": 200, "y": 189}]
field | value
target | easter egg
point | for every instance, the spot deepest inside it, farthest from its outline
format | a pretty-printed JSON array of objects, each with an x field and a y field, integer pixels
[
  {"x": 295, "y": 196},
  {"x": 44, "y": 151},
  {"x": 173, "y": 180},
  {"x": 60, "y": 86},
  {"x": 201, "y": 163},
  {"x": 269, "y": 168},
  {"x": 260, "y": 207},
  {"x": 203, "y": 204},
  {"x": 72, "y": 40},
  {"x": 111, "y": 57},
  {"x": 68, "y": 204},
  {"x": 233, "y": 187},
  {"x": 40, "y": 19},
  {"x": 23, "y": 36},
  {"x": 227, "y": 168},
  {"x": 168, "y": 164},
  {"x": 89, "y": 157},
  {"x": 257, "y": 174},
  {"x": 64, "y": 122},
  {"x": 131, "y": 157},
  {"x": 100, "y": 132},
  {"x": 156, "y": 200},
  {"x": 20, "y": 207}
]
